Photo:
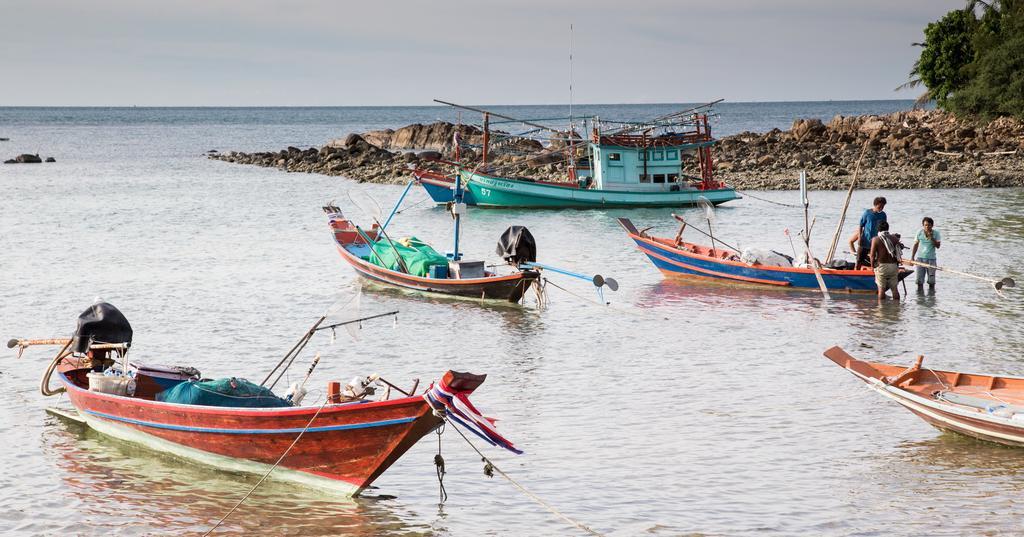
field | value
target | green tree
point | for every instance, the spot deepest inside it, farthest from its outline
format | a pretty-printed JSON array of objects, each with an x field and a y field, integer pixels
[
  {"x": 995, "y": 84},
  {"x": 948, "y": 50}
]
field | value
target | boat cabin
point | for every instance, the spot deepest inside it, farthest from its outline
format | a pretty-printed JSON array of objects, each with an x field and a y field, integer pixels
[{"x": 649, "y": 162}]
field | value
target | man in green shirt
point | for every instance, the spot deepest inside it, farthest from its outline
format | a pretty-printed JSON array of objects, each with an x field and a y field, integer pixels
[{"x": 928, "y": 240}]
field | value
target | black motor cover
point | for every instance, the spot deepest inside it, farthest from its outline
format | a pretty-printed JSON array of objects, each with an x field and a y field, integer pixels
[
  {"x": 516, "y": 245},
  {"x": 100, "y": 323}
]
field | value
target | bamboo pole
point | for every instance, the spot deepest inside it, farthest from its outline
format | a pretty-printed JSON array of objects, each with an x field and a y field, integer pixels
[{"x": 846, "y": 205}]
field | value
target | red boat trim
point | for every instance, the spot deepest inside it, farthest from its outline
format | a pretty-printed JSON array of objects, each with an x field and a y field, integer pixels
[
  {"x": 210, "y": 430},
  {"x": 713, "y": 273}
]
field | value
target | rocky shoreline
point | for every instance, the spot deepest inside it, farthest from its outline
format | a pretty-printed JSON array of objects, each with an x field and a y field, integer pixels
[{"x": 912, "y": 149}]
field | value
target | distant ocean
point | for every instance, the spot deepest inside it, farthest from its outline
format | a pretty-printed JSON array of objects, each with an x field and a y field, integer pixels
[{"x": 314, "y": 125}]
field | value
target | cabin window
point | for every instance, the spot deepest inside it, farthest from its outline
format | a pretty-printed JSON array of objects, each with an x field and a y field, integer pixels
[
  {"x": 614, "y": 157},
  {"x": 645, "y": 178},
  {"x": 659, "y": 155},
  {"x": 671, "y": 154},
  {"x": 659, "y": 178},
  {"x": 672, "y": 177},
  {"x": 641, "y": 156}
]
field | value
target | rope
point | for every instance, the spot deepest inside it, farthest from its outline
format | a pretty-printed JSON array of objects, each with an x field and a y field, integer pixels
[
  {"x": 439, "y": 466},
  {"x": 604, "y": 304},
  {"x": 768, "y": 200},
  {"x": 490, "y": 466},
  {"x": 266, "y": 475}
]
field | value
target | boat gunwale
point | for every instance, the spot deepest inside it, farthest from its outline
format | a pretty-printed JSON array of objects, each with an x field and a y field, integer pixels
[
  {"x": 864, "y": 273},
  {"x": 332, "y": 408},
  {"x": 697, "y": 191}
]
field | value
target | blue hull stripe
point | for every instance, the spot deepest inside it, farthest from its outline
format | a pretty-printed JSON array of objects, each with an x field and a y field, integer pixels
[{"x": 210, "y": 430}]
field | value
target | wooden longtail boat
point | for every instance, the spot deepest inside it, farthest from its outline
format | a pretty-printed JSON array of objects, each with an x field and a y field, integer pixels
[
  {"x": 680, "y": 258},
  {"x": 986, "y": 407},
  {"x": 355, "y": 250},
  {"x": 340, "y": 446},
  {"x": 637, "y": 165}
]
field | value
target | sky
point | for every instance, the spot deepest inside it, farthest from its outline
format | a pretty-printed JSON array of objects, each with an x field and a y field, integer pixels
[{"x": 338, "y": 53}]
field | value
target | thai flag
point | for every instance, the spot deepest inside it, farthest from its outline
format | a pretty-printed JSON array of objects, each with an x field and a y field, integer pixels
[{"x": 462, "y": 412}]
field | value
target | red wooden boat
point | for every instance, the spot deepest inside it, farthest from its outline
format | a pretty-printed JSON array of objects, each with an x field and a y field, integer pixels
[
  {"x": 340, "y": 446},
  {"x": 354, "y": 247},
  {"x": 987, "y": 407}
]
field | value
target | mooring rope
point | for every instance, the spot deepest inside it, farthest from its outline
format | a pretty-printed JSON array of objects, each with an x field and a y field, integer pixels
[
  {"x": 605, "y": 304},
  {"x": 266, "y": 475},
  {"x": 491, "y": 466},
  {"x": 791, "y": 205}
]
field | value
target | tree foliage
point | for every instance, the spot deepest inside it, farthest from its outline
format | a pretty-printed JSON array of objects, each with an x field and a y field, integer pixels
[
  {"x": 974, "y": 65},
  {"x": 948, "y": 50}
]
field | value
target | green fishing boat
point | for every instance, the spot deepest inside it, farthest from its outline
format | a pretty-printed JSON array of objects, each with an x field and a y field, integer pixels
[{"x": 666, "y": 162}]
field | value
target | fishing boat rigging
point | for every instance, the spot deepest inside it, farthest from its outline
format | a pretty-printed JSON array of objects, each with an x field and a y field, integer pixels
[{"x": 616, "y": 169}]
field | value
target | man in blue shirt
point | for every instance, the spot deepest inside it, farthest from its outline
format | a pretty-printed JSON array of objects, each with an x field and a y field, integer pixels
[{"x": 869, "y": 229}]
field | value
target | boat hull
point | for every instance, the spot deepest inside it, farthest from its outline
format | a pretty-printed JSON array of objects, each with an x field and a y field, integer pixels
[
  {"x": 509, "y": 288},
  {"x": 441, "y": 189},
  {"x": 354, "y": 250},
  {"x": 674, "y": 261},
  {"x": 915, "y": 389},
  {"x": 344, "y": 448},
  {"x": 489, "y": 191}
]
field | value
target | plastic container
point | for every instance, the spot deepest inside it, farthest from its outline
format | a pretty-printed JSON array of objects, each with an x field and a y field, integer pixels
[
  {"x": 439, "y": 272},
  {"x": 114, "y": 385}
]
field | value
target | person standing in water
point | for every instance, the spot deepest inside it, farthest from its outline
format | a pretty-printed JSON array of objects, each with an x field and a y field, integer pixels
[
  {"x": 884, "y": 256},
  {"x": 928, "y": 240},
  {"x": 869, "y": 229}
]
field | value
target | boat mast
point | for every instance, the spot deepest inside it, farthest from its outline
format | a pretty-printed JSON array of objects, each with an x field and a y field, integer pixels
[
  {"x": 569, "y": 144},
  {"x": 487, "y": 132}
]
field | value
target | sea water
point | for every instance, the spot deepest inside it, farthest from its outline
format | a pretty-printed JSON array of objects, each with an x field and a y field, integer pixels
[{"x": 677, "y": 409}]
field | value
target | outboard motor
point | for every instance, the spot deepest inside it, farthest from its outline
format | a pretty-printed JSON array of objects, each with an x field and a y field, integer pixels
[
  {"x": 516, "y": 245},
  {"x": 101, "y": 323}
]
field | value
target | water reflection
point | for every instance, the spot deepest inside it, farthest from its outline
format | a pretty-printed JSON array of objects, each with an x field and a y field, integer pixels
[{"x": 125, "y": 487}]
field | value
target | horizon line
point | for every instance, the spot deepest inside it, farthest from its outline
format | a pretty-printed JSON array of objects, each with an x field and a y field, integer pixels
[{"x": 437, "y": 105}]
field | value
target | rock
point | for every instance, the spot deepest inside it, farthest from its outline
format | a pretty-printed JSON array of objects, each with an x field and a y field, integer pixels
[
  {"x": 871, "y": 126},
  {"x": 839, "y": 172},
  {"x": 826, "y": 160},
  {"x": 27, "y": 159},
  {"x": 51, "y": 159},
  {"x": 409, "y": 157},
  {"x": 429, "y": 155},
  {"x": 940, "y": 166},
  {"x": 10, "y": 161},
  {"x": 807, "y": 128},
  {"x": 766, "y": 160},
  {"x": 544, "y": 159}
]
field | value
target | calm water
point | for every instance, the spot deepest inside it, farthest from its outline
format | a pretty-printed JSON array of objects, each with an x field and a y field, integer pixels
[{"x": 682, "y": 409}]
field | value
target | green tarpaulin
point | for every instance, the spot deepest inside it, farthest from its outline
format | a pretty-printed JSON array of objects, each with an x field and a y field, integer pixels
[
  {"x": 234, "y": 392},
  {"x": 418, "y": 255}
]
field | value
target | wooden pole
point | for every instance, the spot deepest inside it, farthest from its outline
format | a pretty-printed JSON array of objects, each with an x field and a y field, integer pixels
[
  {"x": 487, "y": 132},
  {"x": 846, "y": 205}
]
